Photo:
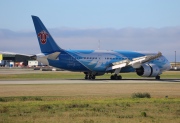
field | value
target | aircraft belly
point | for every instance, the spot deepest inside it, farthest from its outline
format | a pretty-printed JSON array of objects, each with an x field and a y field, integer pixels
[
  {"x": 93, "y": 66},
  {"x": 64, "y": 64},
  {"x": 127, "y": 69}
]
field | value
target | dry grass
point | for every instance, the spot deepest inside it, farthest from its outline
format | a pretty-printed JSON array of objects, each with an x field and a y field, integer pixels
[
  {"x": 122, "y": 89},
  {"x": 89, "y": 103}
]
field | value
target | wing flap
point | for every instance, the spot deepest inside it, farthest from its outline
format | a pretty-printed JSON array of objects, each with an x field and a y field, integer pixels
[
  {"x": 116, "y": 66},
  {"x": 135, "y": 63}
]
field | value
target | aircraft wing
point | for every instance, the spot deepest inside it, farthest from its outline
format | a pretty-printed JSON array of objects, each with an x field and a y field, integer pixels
[{"x": 135, "y": 62}]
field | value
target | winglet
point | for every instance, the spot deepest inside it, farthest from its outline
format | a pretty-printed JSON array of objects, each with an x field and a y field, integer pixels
[{"x": 46, "y": 42}]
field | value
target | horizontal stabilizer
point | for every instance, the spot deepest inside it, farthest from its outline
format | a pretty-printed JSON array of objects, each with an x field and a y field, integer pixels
[
  {"x": 44, "y": 59},
  {"x": 53, "y": 56}
]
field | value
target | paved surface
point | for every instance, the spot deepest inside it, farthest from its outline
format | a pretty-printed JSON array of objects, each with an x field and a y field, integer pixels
[
  {"x": 19, "y": 71},
  {"x": 88, "y": 81},
  {"x": 71, "y": 81}
]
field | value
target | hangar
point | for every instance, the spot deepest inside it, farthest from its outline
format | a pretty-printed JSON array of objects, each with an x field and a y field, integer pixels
[{"x": 9, "y": 59}]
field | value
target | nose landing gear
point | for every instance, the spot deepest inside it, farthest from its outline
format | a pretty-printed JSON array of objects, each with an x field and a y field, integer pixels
[{"x": 158, "y": 78}]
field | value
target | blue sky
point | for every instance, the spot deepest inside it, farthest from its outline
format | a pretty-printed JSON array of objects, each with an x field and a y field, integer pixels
[
  {"x": 154, "y": 20},
  {"x": 15, "y": 15}
]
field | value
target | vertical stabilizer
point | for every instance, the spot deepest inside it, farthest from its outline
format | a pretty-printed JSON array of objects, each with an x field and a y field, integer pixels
[{"x": 46, "y": 42}]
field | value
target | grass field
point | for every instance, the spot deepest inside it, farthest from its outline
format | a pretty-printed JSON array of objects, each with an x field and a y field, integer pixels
[
  {"x": 88, "y": 110},
  {"x": 77, "y": 75},
  {"x": 88, "y": 103}
]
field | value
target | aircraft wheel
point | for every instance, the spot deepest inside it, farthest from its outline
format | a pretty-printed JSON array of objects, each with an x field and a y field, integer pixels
[
  {"x": 119, "y": 77},
  {"x": 115, "y": 77},
  {"x": 86, "y": 76},
  {"x": 158, "y": 77},
  {"x": 90, "y": 77},
  {"x": 93, "y": 77},
  {"x": 112, "y": 77}
]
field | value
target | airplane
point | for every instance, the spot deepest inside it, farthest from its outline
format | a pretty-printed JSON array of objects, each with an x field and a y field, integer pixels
[{"x": 97, "y": 62}]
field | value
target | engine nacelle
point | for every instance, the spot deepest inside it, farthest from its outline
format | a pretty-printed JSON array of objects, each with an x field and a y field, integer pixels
[{"x": 148, "y": 70}]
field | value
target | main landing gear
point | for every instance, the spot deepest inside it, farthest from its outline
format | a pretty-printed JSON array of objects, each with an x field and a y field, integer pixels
[
  {"x": 90, "y": 76},
  {"x": 116, "y": 77}
]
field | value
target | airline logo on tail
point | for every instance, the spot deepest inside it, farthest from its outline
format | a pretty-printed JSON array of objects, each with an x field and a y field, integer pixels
[{"x": 43, "y": 35}]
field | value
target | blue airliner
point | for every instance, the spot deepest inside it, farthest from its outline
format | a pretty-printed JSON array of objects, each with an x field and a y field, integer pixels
[{"x": 97, "y": 62}]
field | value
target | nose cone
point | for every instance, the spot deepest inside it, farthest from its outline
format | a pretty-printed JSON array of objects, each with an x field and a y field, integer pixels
[{"x": 168, "y": 66}]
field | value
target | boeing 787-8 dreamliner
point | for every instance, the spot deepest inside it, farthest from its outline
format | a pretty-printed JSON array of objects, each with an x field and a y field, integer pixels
[{"x": 97, "y": 62}]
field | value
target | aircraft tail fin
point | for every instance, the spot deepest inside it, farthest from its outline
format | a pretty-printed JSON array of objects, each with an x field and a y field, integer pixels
[{"x": 46, "y": 42}]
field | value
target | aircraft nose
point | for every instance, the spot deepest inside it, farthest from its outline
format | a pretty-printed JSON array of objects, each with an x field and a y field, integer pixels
[{"x": 168, "y": 66}]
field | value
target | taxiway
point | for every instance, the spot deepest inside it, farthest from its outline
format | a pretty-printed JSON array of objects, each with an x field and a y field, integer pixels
[{"x": 100, "y": 81}]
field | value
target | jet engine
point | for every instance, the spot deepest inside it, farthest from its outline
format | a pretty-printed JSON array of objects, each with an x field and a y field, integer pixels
[{"x": 148, "y": 70}]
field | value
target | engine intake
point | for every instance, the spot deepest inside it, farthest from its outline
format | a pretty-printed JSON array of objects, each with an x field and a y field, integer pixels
[{"x": 148, "y": 70}]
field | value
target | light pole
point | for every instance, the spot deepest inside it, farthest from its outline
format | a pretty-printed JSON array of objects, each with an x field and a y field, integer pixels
[{"x": 175, "y": 59}]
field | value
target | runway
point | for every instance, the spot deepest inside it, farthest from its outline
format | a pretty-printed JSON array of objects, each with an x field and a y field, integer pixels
[
  {"x": 81, "y": 87},
  {"x": 9, "y": 71},
  {"x": 81, "y": 81}
]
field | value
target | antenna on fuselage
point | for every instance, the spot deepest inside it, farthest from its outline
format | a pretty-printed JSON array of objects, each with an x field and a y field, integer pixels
[{"x": 99, "y": 45}]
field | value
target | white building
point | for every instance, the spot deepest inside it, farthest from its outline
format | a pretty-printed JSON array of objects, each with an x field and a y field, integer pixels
[{"x": 33, "y": 63}]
